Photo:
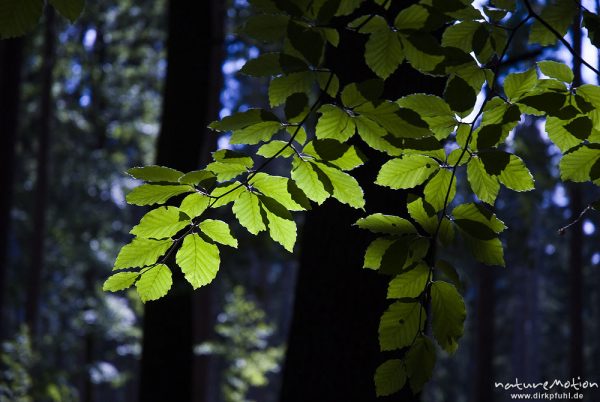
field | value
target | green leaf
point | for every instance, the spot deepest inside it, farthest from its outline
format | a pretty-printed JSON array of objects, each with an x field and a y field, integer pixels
[
  {"x": 141, "y": 253},
  {"x": 259, "y": 132},
  {"x": 400, "y": 123},
  {"x": 282, "y": 190},
  {"x": 553, "y": 69},
  {"x": 433, "y": 110},
  {"x": 226, "y": 193},
  {"x": 267, "y": 28},
  {"x": 348, "y": 6},
  {"x": 264, "y": 65},
  {"x": 282, "y": 227},
  {"x": 485, "y": 186},
  {"x": 460, "y": 35},
  {"x": 155, "y": 174},
  {"x": 194, "y": 204},
  {"x": 275, "y": 147},
  {"x": 70, "y": 9},
  {"x": 199, "y": 261},
  {"x": 282, "y": 87},
  {"x": 241, "y": 120},
  {"x": 592, "y": 22},
  {"x": 247, "y": 211},
  {"x": 329, "y": 83},
  {"x": 580, "y": 127},
  {"x": 120, "y": 281},
  {"x": 412, "y": 18},
  {"x": 390, "y": 377},
  {"x": 422, "y": 51},
  {"x": 229, "y": 164},
  {"x": 460, "y": 95},
  {"x": 309, "y": 42},
  {"x": 161, "y": 223},
  {"x": 17, "y": 17},
  {"x": 356, "y": 94},
  {"x": 399, "y": 325},
  {"x": 409, "y": 284},
  {"x": 577, "y": 165},
  {"x": 559, "y": 15},
  {"x": 448, "y": 271},
  {"x": 307, "y": 178},
  {"x": 388, "y": 224},
  {"x": 489, "y": 252},
  {"x": 154, "y": 283},
  {"x": 270, "y": 64},
  {"x": 383, "y": 52},
  {"x": 345, "y": 187},
  {"x": 435, "y": 191},
  {"x": 218, "y": 231},
  {"x": 518, "y": 84},
  {"x": 334, "y": 123},
  {"x": 516, "y": 176},
  {"x": 406, "y": 172},
  {"x": 376, "y": 251},
  {"x": 419, "y": 362},
  {"x": 148, "y": 194},
  {"x": 343, "y": 156},
  {"x": 449, "y": 313},
  {"x": 201, "y": 178},
  {"x": 424, "y": 214},
  {"x": 478, "y": 213}
]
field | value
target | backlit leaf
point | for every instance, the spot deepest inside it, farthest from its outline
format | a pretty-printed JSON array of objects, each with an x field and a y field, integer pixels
[{"x": 199, "y": 261}]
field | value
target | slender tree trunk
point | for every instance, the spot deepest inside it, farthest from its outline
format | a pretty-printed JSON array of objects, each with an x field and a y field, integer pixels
[
  {"x": 333, "y": 347},
  {"x": 169, "y": 371},
  {"x": 10, "y": 87},
  {"x": 34, "y": 287},
  {"x": 576, "y": 244},
  {"x": 484, "y": 352}
]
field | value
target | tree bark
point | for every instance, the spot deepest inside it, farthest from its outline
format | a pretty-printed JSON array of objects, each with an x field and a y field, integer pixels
[
  {"x": 11, "y": 60},
  {"x": 576, "y": 243},
  {"x": 34, "y": 288},
  {"x": 333, "y": 347},
  {"x": 169, "y": 371}
]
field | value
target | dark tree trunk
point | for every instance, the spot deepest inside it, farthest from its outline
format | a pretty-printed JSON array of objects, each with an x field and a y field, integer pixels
[
  {"x": 169, "y": 371},
  {"x": 333, "y": 347},
  {"x": 10, "y": 87},
  {"x": 32, "y": 304},
  {"x": 484, "y": 352},
  {"x": 576, "y": 244}
]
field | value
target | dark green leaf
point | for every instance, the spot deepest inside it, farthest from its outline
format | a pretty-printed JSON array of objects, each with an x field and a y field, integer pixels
[{"x": 460, "y": 95}]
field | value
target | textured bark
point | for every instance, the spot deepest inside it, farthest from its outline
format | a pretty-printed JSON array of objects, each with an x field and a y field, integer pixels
[
  {"x": 333, "y": 347},
  {"x": 34, "y": 288},
  {"x": 169, "y": 371},
  {"x": 576, "y": 244},
  {"x": 11, "y": 60}
]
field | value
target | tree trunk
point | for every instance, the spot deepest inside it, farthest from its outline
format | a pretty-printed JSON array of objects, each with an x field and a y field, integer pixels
[
  {"x": 10, "y": 92},
  {"x": 484, "y": 352},
  {"x": 333, "y": 347},
  {"x": 169, "y": 371},
  {"x": 576, "y": 243},
  {"x": 32, "y": 304}
]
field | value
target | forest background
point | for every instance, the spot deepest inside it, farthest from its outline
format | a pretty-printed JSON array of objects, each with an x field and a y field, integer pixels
[{"x": 133, "y": 84}]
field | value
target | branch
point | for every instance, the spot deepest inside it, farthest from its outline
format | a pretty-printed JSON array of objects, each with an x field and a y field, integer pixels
[
  {"x": 312, "y": 109},
  {"x": 559, "y": 37},
  {"x": 562, "y": 230}
]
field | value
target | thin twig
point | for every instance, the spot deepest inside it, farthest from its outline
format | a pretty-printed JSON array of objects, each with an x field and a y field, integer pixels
[
  {"x": 559, "y": 37},
  {"x": 562, "y": 230}
]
